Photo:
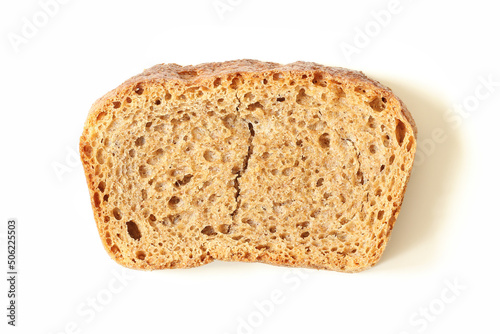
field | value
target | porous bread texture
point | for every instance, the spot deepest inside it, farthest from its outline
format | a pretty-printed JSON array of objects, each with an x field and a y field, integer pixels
[{"x": 298, "y": 165}]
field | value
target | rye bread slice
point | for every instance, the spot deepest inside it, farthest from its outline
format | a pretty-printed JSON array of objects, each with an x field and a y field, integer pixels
[{"x": 298, "y": 165}]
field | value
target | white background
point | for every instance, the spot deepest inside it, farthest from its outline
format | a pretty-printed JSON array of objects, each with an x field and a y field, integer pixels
[{"x": 436, "y": 55}]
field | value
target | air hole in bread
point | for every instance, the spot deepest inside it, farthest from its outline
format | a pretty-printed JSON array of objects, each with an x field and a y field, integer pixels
[
  {"x": 229, "y": 121},
  {"x": 100, "y": 156},
  {"x": 156, "y": 156},
  {"x": 185, "y": 180},
  {"x": 248, "y": 96},
  {"x": 144, "y": 171},
  {"x": 174, "y": 202},
  {"x": 209, "y": 156},
  {"x": 386, "y": 140},
  {"x": 324, "y": 140},
  {"x": 315, "y": 213},
  {"x": 360, "y": 90},
  {"x": 208, "y": 230},
  {"x": 284, "y": 236},
  {"x": 117, "y": 104},
  {"x": 224, "y": 228},
  {"x": 97, "y": 199},
  {"x": 373, "y": 149},
  {"x": 158, "y": 102},
  {"x": 302, "y": 98},
  {"x": 133, "y": 230},
  {"x": 265, "y": 155},
  {"x": 342, "y": 198},
  {"x": 304, "y": 234},
  {"x": 139, "y": 90},
  {"x": 400, "y": 132},
  {"x": 280, "y": 99},
  {"x": 272, "y": 229},
  {"x": 140, "y": 141},
  {"x": 212, "y": 198},
  {"x": 371, "y": 122},
  {"x": 161, "y": 186},
  {"x": 173, "y": 219},
  {"x": 391, "y": 159},
  {"x": 302, "y": 225},
  {"x": 248, "y": 221},
  {"x": 101, "y": 186},
  {"x": 380, "y": 215},
  {"x": 319, "y": 183},
  {"x": 277, "y": 76},
  {"x": 382, "y": 168},
  {"x": 141, "y": 255},
  {"x": 128, "y": 100},
  {"x": 101, "y": 116},
  {"x": 319, "y": 80},
  {"x": 198, "y": 133},
  {"x": 117, "y": 214},
  {"x": 235, "y": 83},
  {"x": 131, "y": 153},
  {"x": 217, "y": 82},
  {"x": 253, "y": 106},
  {"x": 377, "y": 104},
  {"x": 410, "y": 144},
  {"x": 87, "y": 149}
]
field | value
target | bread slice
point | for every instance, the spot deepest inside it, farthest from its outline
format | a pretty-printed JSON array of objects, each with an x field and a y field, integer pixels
[{"x": 297, "y": 165}]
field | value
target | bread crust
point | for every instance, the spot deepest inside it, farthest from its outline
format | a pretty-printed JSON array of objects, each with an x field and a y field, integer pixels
[{"x": 203, "y": 75}]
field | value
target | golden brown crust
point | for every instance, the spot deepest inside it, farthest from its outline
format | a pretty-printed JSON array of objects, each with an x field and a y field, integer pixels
[{"x": 203, "y": 75}]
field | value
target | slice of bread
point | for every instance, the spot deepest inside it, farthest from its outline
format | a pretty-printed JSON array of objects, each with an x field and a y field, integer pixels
[{"x": 298, "y": 165}]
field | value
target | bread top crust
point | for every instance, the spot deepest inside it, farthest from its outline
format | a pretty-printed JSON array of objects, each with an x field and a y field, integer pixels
[{"x": 192, "y": 75}]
